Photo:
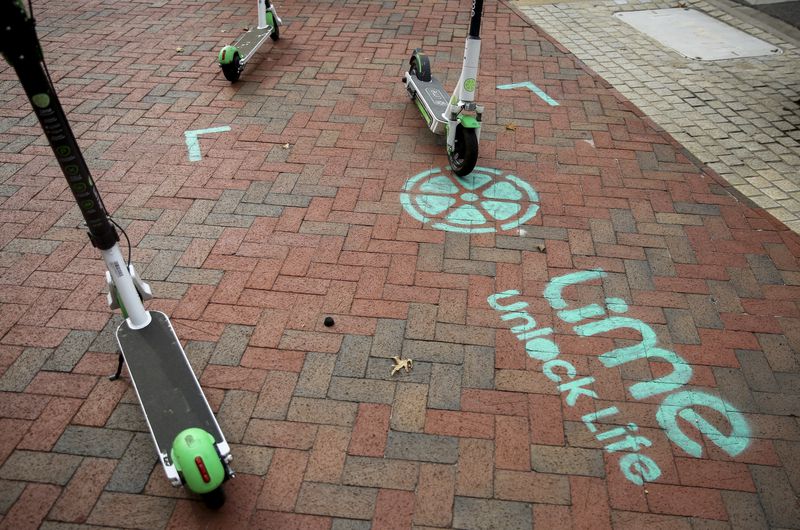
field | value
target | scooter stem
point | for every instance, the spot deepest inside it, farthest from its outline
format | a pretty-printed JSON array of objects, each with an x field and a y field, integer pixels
[
  {"x": 475, "y": 19},
  {"x": 20, "y": 47}
]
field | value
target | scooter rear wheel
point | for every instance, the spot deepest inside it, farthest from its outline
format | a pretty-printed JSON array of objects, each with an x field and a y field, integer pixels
[
  {"x": 214, "y": 499},
  {"x": 464, "y": 155},
  {"x": 231, "y": 71}
]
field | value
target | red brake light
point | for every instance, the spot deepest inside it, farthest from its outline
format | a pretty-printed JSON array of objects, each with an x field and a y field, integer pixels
[{"x": 201, "y": 466}]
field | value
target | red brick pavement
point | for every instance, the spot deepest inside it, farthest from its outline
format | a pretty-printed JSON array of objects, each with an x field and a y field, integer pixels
[{"x": 295, "y": 215}]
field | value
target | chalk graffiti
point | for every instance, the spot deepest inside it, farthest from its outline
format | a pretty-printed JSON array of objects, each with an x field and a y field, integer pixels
[
  {"x": 193, "y": 144},
  {"x": 484, "y": 201},
  {"x": 678, "y": 403},
  {"x": 533, "y": 88}
]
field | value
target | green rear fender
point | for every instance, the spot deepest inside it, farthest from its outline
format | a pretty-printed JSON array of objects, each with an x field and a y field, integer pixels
[
  {"x": 469, "y": 122},
  {"x": 226, "y": 54},
  {"x": 195, "y": 457}
]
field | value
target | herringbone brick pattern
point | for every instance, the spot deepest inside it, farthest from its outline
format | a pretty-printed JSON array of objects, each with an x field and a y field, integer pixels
[{"x": 295, "y": 214}]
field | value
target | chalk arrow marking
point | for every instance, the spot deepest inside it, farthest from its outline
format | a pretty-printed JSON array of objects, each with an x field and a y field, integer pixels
[
  {"x": 194, "y": 144},
  {"x": 533, "y": 88}
]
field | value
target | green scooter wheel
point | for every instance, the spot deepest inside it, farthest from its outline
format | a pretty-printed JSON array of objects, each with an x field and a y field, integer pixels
[
  {"x": 276, "y": 32},
  {"x": 231, "y": 70},
  {"x": 420, "y": 66},
  {"x": 464, "y": 155},
  {"x": 230, "y": 62}
]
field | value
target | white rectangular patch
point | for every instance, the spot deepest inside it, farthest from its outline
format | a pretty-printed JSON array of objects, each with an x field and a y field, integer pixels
[{"x": 696, "y": 35}]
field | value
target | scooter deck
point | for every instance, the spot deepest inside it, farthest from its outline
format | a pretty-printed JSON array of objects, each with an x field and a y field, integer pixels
[
  {"x": 249, "y": 42},
  {"x": 433, "y": 97},
  {"x": 168, "y": 391}
]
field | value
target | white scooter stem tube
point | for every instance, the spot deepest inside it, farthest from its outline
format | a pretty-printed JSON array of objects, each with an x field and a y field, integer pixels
[
  {"x": 262, "y": 14},
  {"x": 469, "y": 70},
  {"x": 138, "y": 317},
  {"x": 467, "y": 85}
]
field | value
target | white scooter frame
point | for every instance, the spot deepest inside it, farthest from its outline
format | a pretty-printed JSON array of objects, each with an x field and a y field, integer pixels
[
  {"x": 458, "y": 116},
  {"x": 234, "y": 57}
]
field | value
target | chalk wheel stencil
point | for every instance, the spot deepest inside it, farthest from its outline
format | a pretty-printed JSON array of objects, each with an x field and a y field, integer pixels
[{"x": 486, "y": 200}]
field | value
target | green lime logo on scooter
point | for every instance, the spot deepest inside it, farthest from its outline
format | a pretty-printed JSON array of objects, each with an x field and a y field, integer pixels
[{"x": 459, "y": 117}]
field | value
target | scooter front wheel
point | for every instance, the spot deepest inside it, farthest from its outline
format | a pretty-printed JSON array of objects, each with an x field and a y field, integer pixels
[
  {"x": 420, "y": 66},
  {"x": 464, "y": 154},
  {"x": 276, "y": 33}
]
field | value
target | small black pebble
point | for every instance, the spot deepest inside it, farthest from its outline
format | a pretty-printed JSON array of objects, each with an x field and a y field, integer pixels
[{"x": 328, "y": 321}]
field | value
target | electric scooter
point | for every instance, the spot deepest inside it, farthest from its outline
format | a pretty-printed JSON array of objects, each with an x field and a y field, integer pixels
[
  {"x": 458, "y": 116},
  {"x": 190, "y": 445},
  {"x": 232, "y": 58}
]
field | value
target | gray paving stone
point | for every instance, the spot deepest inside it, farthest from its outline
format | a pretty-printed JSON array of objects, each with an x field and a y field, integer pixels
[
  {"x": 9, "y": 493},
  {"x": 422, "y": 447},
  {"x": 25, "y": 367},
  {"x": 756, "y": 371},
  {"x": 734, "y": 387},
  {"x": 444, "y": 391},
  {"x": 779, "y": 353},
  {"x": 161, "y": 265},
  {"x": 93, "y": 441},
  {"x": 408, "y": 409},
  {"x": 639, "y": 275},
  {"x": 235, "y": 412},
  {"x": 251, "y": 459},
  {"x": 231, "y": 345},
  {"x": 199, "y": 354},
  {"x": 623, "y": 220},
  {"x": 134, "y": 468},
  {"x": 421, "y": 323},
  {"x": 143, "y": 512},
  {"x": 189, "y": 275},
  {"x": 776, "y": 495},
  {"x": 567, "y": 460},
  {"x": 316, "y": 374},
  {"x": 350, "y": 524},
  {"x": 478, "y": 371},
  {"x": 434, "y": 352},
  {"x": 380, "y": 473},
  {"x": 704, "y": 313},
  {"x": 660, "y": 261},
  {"x": 778, "y": 404},
  {"x": 486, "y": 514},
  {"x": 361, "y": 390},
  {"x": 464, "y": 266},
  {"x": 744, "y": 510},
  {"x": 338, "y": 501},
  {"x": 35, "y": 466},
  {"x": 764, "y": 270},
  {"x": 324, "y": 411},
  {"x": 352, "y": 358},
  {"x": 70, "y": 351},
  {"x": 681, "y": 325},
  {"x": 106, "y": 340},
  {"x": 388, "y": 338},
  {"x": 127, "y": 417}
]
